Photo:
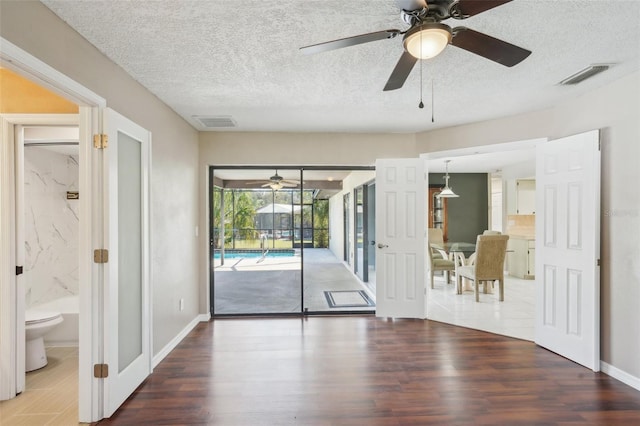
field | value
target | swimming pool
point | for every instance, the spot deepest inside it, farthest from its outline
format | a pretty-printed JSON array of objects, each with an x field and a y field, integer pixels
[{"x": 235, "y": 254}]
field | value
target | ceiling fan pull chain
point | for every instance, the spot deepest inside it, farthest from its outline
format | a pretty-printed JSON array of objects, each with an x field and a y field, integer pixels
[
  {"x": 421, "y": 105},
  {"x": 432, "y": 102}
]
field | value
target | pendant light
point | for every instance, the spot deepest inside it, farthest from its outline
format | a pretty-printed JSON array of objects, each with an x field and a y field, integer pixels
[{"x": 447, "y": 192}]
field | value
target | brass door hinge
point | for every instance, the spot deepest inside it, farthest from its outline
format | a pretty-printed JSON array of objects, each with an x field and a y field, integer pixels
[
  {"x": 101, "y": 256},
  {"x": 100, "y": 371},
  {"x": 100, "y": 141}
]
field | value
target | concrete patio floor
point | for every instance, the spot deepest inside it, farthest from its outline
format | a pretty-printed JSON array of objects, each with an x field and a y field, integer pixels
[{"x": 249, "y": 285}]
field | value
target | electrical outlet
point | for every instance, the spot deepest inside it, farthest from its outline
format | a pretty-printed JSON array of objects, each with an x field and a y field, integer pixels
[{"x": 182, "y": 304}]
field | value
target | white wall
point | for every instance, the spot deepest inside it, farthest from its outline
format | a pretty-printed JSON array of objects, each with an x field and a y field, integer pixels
[
  {"x": 174, "y": 158},
  {"x": 336, "y": 206},
  {"x": 336, "y": 225}
]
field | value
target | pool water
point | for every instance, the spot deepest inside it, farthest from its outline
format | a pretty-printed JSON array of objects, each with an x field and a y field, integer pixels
[{"x": 253, "y": 254}]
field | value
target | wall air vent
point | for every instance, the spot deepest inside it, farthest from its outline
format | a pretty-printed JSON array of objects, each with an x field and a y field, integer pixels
[
  {"x": 584, "y": 74},
  {"x": 215, "y": 121}
]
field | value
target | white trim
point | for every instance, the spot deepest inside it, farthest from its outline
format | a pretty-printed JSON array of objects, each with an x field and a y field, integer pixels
[
  {"x": 18, "y": 60},
  {"x": 176, "y": 340},
  {"x": 13, "y": 57},
  {"x": 20, "y": 257},
  {"x": 90, "y": 236},
  {"x": 618, "y": 374},
  {"x": 8, "y": 367}
]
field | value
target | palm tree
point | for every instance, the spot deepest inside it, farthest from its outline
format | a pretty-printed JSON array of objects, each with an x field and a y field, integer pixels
[
  {"x": 321, "y": 223},
  {"x": 244, "y": 215}
]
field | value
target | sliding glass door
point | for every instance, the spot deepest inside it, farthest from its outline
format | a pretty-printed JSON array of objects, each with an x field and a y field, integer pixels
[
  {"x": 278, "y": 240},
  {"x": 255, "y": 256}
]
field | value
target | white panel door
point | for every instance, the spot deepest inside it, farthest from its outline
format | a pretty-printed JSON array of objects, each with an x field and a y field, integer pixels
[
  {"x": 400, "y": 234},
  {"x": 126, "y": 299},
  {"x": 568, "y": 247}
]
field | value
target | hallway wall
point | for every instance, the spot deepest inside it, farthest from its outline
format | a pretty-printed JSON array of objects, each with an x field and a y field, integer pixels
[{"x": 174, "y": 159}]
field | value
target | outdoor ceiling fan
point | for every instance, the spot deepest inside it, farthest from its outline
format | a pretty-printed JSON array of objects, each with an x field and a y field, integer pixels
[
  {"x": 427, "y": 36},
  {"x": 277, "y": 182}
]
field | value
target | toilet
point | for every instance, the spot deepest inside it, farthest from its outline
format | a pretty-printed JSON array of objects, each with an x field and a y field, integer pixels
[{"x": 37, "y": 324}]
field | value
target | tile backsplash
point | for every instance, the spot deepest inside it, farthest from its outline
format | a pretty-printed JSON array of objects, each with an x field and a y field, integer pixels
[{"x": 523, "y": 225}]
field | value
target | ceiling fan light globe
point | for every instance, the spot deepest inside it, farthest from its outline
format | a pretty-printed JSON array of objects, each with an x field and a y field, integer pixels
[{"x": 427, "y": 40}]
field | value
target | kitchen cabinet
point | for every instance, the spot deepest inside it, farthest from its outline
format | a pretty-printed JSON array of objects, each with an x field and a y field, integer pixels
[
  {"x": 521, "y": 257},
  {"x": 438, "y": 211},
  {"x": 526, "y": 196}
]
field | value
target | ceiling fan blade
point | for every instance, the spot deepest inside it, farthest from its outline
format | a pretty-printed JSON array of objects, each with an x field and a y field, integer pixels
[
  {"x": 288, "y": 184},
  {"x": 466, "y": 8},
  {"x": 488, "y": 47},
  {"x": 349, "y": 41},
  {"x": 411, "y": 4},
  {"x": 401, "y": 71}
]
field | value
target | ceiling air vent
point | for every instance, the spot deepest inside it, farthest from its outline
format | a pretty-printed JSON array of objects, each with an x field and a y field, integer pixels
[
  {"x": 584, "y": 74},
  {"x": 215, "y": 121}
]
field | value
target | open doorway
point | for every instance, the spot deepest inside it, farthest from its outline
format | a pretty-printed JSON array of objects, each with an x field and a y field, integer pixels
[{"x": 497, "y": 169}]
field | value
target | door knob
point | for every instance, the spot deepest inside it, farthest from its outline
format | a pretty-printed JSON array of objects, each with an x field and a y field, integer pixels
[{"x": 381, "y": 246}]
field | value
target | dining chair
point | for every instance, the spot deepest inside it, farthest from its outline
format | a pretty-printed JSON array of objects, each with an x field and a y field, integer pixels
[
  {"x": 490, "y": 232},
  {"x": 440, "y": 264},
  {"x": 488, "y": 265},
  {"x": 436, "y": 237}
]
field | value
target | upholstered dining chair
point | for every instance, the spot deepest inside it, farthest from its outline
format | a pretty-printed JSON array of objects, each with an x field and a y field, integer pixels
[
  {"x": 440, "y": 264},
  {"x": 488, "y": 265},
  {"x": 436, "y": 237}
]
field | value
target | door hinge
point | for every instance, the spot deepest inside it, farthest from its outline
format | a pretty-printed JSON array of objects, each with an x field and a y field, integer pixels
[
  {"x": 101, "y": 371},
  {"x": 598, "y": 262},
  {"x": 101, "y": 256},
  {"x": 19, "y": 270},
  {"x": 100, "y": 141}
]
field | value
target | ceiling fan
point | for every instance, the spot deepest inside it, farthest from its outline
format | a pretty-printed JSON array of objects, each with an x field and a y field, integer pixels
[
  {"x": 277, "y": 182},
  {"x": 427, "y": 36}
]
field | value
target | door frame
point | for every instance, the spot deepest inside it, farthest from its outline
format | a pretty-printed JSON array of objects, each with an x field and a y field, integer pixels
[
  {"x": 91, "y": 336},
  {"x": 13, "y": 332}
]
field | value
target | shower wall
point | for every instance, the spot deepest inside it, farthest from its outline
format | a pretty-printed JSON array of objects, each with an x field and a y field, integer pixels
[{"x": 51, "y": 225}]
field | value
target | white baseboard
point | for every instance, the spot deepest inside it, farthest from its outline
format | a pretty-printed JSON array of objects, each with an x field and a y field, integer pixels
[
  {"x": 176, "y": 340},
  {"x": 618, "y": 374}
]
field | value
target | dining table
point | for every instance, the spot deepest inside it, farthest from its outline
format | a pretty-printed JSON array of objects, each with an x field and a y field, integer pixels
[{"x": 459, "y": 252}]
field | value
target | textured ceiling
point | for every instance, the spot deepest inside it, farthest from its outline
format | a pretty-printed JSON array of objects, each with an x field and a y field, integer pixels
[{"x": 238, "y": 59}]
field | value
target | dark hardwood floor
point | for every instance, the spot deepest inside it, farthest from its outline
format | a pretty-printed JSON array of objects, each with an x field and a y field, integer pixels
[{"x": 369, "y": 371}]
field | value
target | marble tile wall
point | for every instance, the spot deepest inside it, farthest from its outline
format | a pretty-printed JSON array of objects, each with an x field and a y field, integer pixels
[{"x": 51, "y": 225}]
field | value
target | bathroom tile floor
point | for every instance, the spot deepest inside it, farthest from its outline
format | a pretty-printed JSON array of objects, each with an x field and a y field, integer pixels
[{"x": 51, "y": 395}]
